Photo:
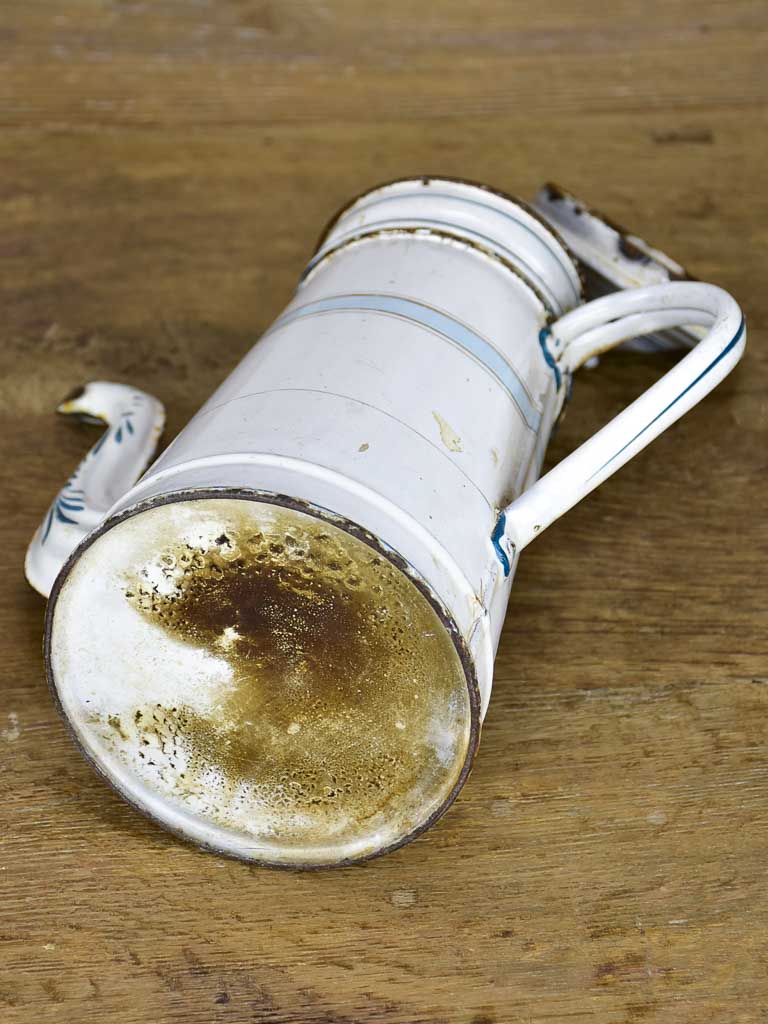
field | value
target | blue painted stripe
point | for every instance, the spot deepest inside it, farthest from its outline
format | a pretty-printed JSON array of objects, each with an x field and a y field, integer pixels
[
  {"x": 48, "y": 524},
  {"x": 731, "y": 345},
  {"x": 64, "y": 519},
  {"x": 433, "y": 319}
]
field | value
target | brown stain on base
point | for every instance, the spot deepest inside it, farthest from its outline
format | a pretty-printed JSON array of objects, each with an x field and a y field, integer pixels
[{"x": 348, "y": 705}]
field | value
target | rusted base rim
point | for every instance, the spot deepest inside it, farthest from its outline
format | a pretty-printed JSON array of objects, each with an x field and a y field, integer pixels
[{"x": 357, "y": 531}]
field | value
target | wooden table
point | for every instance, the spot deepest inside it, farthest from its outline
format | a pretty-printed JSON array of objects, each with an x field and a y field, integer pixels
[{"x": 165, "y": 168}]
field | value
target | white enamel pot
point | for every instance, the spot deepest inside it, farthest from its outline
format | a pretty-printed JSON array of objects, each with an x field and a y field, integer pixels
[{"x": 402, "y": 403}]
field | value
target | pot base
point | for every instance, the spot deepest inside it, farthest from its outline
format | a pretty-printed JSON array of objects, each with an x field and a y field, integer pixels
[{"x": 261, "y": 681}]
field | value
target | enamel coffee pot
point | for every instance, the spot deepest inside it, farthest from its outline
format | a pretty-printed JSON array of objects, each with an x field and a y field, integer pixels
[{"x": 279, "y": 642}]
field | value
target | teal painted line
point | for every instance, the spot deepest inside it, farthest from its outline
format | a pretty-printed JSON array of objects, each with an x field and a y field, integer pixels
[
  {"x": 496, "y": 539},
  {"x": 434, "y": 194},
  {"x": 433, "y": 319},
  {"x": 549, "y": 359},
  {"x": 731, "y": 344}
]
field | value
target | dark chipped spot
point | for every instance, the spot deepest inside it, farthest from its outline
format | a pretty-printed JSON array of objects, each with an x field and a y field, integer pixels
[
  {"x": 554, "y": 193},
  {"x": 222, "y": 998},
  {"x": 631, "y": 250}
]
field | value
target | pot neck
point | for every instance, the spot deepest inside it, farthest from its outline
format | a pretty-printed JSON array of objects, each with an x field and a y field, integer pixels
[{"x": 483, "y": 218}]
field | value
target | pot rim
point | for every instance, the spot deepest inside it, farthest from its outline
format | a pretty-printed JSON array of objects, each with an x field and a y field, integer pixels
[{"x": 427, "y": 179}]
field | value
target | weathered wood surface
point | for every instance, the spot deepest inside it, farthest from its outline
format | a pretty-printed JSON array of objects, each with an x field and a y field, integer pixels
[{"x": 164, "y": 170}]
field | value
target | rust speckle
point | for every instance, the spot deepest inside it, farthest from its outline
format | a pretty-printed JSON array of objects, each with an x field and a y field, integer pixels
[{"x": 114, "y": 723}]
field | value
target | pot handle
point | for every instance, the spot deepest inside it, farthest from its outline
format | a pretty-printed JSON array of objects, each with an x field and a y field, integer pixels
[
  {"x": 134, "y": 422},
  {"x": 595, "y": 327}
]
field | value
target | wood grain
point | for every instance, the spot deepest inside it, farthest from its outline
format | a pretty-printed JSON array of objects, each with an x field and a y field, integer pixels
[{"x": 164, "y": 170}]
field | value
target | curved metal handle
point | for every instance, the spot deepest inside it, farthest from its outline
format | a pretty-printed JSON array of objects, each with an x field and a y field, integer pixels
[
  {"x": 597, "y": 326},
  {"x": 135, "y": 421}
]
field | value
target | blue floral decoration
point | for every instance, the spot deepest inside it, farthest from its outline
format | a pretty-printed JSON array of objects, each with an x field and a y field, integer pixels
[
  {"x": 68, "y": 501},
  {"x": 71, "y": 499}
]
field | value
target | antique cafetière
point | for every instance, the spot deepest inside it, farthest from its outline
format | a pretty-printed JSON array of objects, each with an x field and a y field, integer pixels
[{"x": 279, "y": 642}]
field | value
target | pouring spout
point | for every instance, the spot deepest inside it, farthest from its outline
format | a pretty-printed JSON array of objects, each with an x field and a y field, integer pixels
[{"x": 134, "y": 422}]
